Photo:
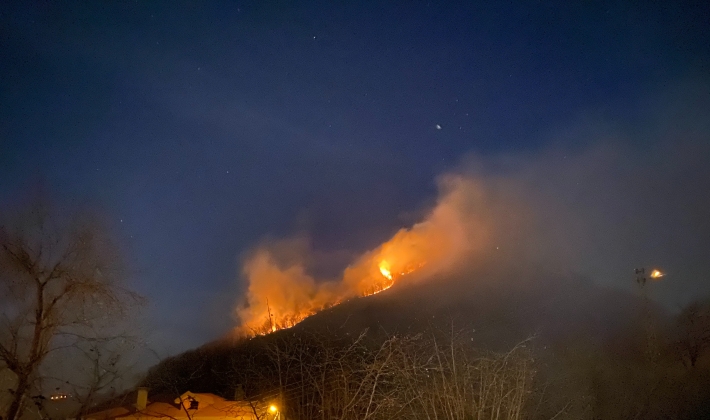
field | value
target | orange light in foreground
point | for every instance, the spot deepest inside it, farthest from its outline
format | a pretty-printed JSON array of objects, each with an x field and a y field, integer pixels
[
  {"x": 656, "y": 274},
  {"x": 273, "y": 408}
]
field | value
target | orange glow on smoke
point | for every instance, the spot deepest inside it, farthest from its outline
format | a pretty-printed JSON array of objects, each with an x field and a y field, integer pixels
[
  {"x": 280, "y": 298},
  {"x": 282, "y": 292}
]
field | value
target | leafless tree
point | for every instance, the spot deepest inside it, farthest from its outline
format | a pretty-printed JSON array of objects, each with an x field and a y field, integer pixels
[
  {"x": 693, "y": 326},
  {"x": 447, "y": 378},
  {"x": 104, "y": 367},
  {"x": 321, "y": 375},
  {"x": 61, "y": 280}
]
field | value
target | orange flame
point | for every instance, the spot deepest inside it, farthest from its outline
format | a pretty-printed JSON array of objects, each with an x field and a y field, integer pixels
[
  {"x": 385, "y": 269},
  {"x": 282, "y": 293}
]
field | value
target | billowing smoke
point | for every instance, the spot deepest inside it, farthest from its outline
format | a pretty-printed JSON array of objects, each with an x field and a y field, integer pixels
[
  {"x": 281, "y": 292},
  {"x": 628, "y": 198}
]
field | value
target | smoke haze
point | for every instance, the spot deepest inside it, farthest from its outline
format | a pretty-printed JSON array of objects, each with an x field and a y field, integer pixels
[{"x": 630, "y": 198}]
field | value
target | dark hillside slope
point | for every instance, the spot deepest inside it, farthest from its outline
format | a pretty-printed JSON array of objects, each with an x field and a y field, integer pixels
[
  {"x": 499, "y": 312},
  {"x": 596, "y": 352}
]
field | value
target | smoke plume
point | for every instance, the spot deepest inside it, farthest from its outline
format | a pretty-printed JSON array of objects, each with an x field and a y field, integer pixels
[
  {"x": 629, "y": 197},
  {"x": 281, "y": 292}
]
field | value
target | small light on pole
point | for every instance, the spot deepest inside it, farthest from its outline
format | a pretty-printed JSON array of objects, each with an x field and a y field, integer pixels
[{"x": 650, "y": 327}]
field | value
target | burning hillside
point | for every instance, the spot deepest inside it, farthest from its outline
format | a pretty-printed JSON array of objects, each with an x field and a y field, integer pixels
[
  {"x": 536, "y": 211},
  {"x": 282, "y": 293}
]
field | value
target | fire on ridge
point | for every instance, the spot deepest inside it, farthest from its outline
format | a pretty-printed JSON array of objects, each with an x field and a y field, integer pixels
[
  {"x": 388, "y": 278},
  {"x": 282, "y": 291}
]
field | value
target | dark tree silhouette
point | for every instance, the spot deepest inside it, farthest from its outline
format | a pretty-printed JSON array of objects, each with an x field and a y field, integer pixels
[
  {"x": 694, "y": 331},
  {"x": 61, "y": 282}
]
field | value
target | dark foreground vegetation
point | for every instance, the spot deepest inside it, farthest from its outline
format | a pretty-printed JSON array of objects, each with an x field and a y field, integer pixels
[
  {"x": 67, "y": 313},
  {"x": 364, "y": 360}
]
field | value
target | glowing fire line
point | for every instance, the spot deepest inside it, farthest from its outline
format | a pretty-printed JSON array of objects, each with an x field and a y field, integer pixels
[
  {"x": 389, "y": 280},
  {"x": 280, "y": 271}
]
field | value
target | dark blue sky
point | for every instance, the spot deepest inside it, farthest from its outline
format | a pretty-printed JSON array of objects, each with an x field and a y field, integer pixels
[{"x": 202, "y": 129}]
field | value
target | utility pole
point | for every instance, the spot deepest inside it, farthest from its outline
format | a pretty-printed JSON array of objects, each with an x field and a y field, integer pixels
[{"x": 652, "y": 348}]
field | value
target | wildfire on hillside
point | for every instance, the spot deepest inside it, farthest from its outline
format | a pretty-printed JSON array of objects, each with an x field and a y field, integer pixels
[
  {"x": 277, "y": 318},
  {"x": 282, "y": 292}
]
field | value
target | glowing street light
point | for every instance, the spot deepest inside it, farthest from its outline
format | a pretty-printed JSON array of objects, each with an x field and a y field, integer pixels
[
  {"x": 274, "y": 410},
  {"x": 655, "y": 274},
  {"x": 649, "y": 324}
]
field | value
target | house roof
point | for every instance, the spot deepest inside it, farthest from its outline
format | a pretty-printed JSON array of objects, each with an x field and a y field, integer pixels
[
  {"x": 122, "y": 405},
  {"x": 224, "y": 409},
  {"x": 203, "y": 398},
  {"x": 109, "y": 413},
  {"x": 210, "y": 406}
]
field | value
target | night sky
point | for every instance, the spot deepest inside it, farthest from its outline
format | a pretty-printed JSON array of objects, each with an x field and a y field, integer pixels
[{"x": 202, "y": 129}]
